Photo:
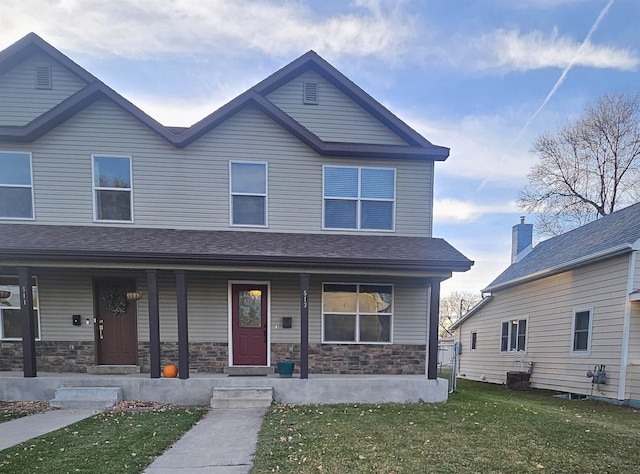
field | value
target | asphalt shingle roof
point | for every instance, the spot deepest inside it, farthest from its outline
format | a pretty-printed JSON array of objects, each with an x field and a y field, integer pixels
[{"x": 616, "y": 232}]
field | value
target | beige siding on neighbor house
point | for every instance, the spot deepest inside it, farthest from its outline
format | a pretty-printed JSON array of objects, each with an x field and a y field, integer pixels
[
  {"x": 548, "y": 305},
  {"x": 65, "y": 292},
  {"x": 189, "y": 188},
  {"x": 336, "y": 118},
  {"x": 633, "y": 369},
  {"x": 21, "y": 102}
]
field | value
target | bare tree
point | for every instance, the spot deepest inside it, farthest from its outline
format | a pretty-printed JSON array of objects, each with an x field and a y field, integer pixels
[
  {"x": 587, "y": 169},
  {"x": 453, "y": 307}
]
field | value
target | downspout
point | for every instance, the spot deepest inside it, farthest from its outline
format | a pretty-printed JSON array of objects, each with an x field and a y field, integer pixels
[{"x": 626, "y": 328}]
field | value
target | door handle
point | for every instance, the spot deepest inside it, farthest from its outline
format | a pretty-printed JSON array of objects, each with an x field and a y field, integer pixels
[
  {"x": 265, "y": 334},
  {"x": 101, "y": 329}
]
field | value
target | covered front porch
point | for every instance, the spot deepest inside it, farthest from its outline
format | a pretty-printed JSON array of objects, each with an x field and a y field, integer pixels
[{"x": 197, "y": 389}]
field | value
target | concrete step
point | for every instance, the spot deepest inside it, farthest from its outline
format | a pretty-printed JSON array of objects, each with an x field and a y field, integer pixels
[
  {"x": 241, "y": 397},
  {"x": 247, "y": 371},
  {"x": 93, "y": 398}
]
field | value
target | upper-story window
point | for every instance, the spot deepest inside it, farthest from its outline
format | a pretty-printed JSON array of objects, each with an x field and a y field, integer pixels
[
  {"x": 16, "y": 185},
  {"x": 248, "y": 200},
  {"x": 359, "y": 198},
  {"x": 112, "y": 192}
]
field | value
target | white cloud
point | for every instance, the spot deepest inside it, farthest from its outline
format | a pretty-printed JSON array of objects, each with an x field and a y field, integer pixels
[
  {"x": 454, "y": 211},
  {"x": 145, "y": 28},
  {"x": 509, "y": 50},
  {"x": 486, "y": 268}
]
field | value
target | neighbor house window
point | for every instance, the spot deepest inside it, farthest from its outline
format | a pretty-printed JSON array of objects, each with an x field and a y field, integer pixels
[
  {"x": 582, "y": 320},
  {"x": 248, "y": 194},
  {"x": 359, "y": 198},
  {"x": 112, "y": 192},
  {"x": 474, "y": 340},
  {"x": 513, "y": 336},
  {"x": 10, "y": 315},
  {"x": 16, "y": 185},
  {"x": 357, "y": 313}
]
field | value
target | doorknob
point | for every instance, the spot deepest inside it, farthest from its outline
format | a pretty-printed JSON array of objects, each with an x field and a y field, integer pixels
[
  {"x": 101, "y": 328},
  {"x": 265, "y": 334}
]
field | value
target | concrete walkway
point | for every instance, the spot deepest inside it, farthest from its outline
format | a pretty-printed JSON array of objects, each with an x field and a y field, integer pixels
[
  {"x": 223, "y": 442},
  {"x": 16, "y": 431}
]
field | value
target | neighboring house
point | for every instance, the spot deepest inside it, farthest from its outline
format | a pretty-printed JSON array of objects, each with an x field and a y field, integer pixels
[
  {"x": 294, "y": 223},
  {"x": 566, "y": 307}
]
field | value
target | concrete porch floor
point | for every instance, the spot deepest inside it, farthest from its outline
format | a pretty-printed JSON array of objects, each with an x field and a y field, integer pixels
[{"x": 197, "y": 390}]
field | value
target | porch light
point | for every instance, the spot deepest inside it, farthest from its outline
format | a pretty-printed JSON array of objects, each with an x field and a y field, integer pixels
[
  {"x": 134, "y": 296},
  {"x": 4, "y": 294}
]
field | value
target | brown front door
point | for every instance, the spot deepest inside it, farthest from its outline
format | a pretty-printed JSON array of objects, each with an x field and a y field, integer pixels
[
  {"x": 249, "y": 324},
  {"x": 116, "y": 323}
]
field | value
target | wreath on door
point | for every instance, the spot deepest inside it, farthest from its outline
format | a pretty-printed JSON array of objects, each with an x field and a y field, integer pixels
[{"x": 116, "y": 302}]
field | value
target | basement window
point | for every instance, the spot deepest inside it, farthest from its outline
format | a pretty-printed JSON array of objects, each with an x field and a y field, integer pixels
[
  {"x": 310, "y": 93},
  {"x": 43, "y": 77}
]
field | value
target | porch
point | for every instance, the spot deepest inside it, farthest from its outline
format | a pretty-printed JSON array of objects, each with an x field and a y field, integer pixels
[{"x": 197, "y": 389}]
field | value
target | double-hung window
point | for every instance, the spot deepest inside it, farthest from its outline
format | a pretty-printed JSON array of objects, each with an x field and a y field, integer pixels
[
  {"x": 513, "y": 335},
  {"x": 16, "y": 185},
  {"x": 112, "y": 191},
  {"x": 357, "y": 313},
  {"x": 248, "y": 200},
  {"x": 10, "y": 313},
  {"x": 582, "y": 321},
  {"x": 359, "y": 198}
]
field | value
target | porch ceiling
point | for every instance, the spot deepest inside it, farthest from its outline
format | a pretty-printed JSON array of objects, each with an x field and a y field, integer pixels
[{"x": 130, "y": 245}]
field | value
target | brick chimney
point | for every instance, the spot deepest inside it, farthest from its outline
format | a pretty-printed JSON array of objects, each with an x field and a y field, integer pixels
[{"x": 521, "y": 240}]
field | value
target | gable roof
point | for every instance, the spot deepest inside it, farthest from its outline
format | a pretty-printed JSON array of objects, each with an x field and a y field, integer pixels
[
  {"x": 418, "y": 147},
  {"x": 50, "y": 243},
  {"x": 611, "y": 235}
]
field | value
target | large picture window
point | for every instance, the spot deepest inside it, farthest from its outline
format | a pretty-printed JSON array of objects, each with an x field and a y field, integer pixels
[
  {"x": 357, "y": 313},
  {"x": 10, "y": 314},
  {"x": 112, "y": 188},
  {"x": 248, "y": 194},
  {"x": 582, "y": 331},
  {"x": 513, "y": 335},
  {"x": 359, "y": 198},
  {"x": 16, "y": 186}
]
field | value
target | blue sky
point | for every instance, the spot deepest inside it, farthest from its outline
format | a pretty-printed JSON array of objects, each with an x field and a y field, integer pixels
[{"x": 484, "y": 78}]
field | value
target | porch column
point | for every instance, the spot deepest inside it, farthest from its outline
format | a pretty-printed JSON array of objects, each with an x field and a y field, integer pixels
[
  {"x": 183, "y": 327},
  {"x": 304, "y": 325},
  {"x": 154, "y": 323},
  {"x": 434, "y": 317},
  {"x": 26, "y": 316}
]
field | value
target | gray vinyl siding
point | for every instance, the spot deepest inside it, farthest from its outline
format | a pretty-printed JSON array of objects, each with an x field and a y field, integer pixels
[
  {"x": 548, "y": 305},
  {"x": 336, "y": 118},
  {"x": 633, "y": 368},
  {"x": 21, "y": 102},
  {"x": 188, "y": 188},
  {"x": 64, "y": 293}
]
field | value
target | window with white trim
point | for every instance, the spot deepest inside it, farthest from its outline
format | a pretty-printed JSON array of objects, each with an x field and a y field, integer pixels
[
  {"x": 16, "y": 185},
  {"x": 359, "y": 198},
  {"x": 582, "y": 320},
  {"x": 473, "y": 343},
  {"x": 248, "y": 193},
  {"x": 112, "y": 191},
  {"x": 10, "y": 313},
  {"x": 357, "y": 313},
  {"x": 513, "y": 335}
]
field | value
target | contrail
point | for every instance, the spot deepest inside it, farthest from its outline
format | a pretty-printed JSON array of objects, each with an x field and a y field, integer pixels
[
  {"x": 559, "y": 82},
  {"x": 566, "y": 70}
]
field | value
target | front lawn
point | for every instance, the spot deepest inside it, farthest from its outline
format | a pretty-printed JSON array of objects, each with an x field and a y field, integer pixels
[
  {"x": 118, "y": 443},
  {"x": 482, "y": 428}
]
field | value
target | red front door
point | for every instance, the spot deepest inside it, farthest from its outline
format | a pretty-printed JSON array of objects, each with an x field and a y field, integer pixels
[
  {"x": 116, "y": 323},
  {"x": 249, "y": 324}
]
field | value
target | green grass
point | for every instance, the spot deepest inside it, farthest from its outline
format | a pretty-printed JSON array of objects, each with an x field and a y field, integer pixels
[
  {"x": 107, "y": 443},
  {"x": 12, "y": 415},
  {"x": 482, "y": 428}
]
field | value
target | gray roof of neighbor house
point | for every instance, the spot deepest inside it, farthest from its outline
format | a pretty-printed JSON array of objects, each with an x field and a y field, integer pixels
[
  {"x": 613, "y": 234},
  {"x": 417, "y": 146},
  {"x": 42, "y": 243}
]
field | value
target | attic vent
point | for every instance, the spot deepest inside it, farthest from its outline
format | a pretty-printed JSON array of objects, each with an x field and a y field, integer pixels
[
  {"x": 43, "y": 77},
  {"x": 310, "y": 92}
]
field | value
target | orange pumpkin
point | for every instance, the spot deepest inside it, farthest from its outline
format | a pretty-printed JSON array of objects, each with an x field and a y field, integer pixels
[{"x": 170, "y": 371}]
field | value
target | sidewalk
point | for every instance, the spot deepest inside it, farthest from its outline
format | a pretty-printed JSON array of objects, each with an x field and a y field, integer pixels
[
  {"x": 16, "y": 431},
  {"x": 223, "y": 442}
]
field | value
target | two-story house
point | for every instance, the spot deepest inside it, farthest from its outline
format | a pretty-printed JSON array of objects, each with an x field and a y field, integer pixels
[{"x": 294, "y": 223}]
